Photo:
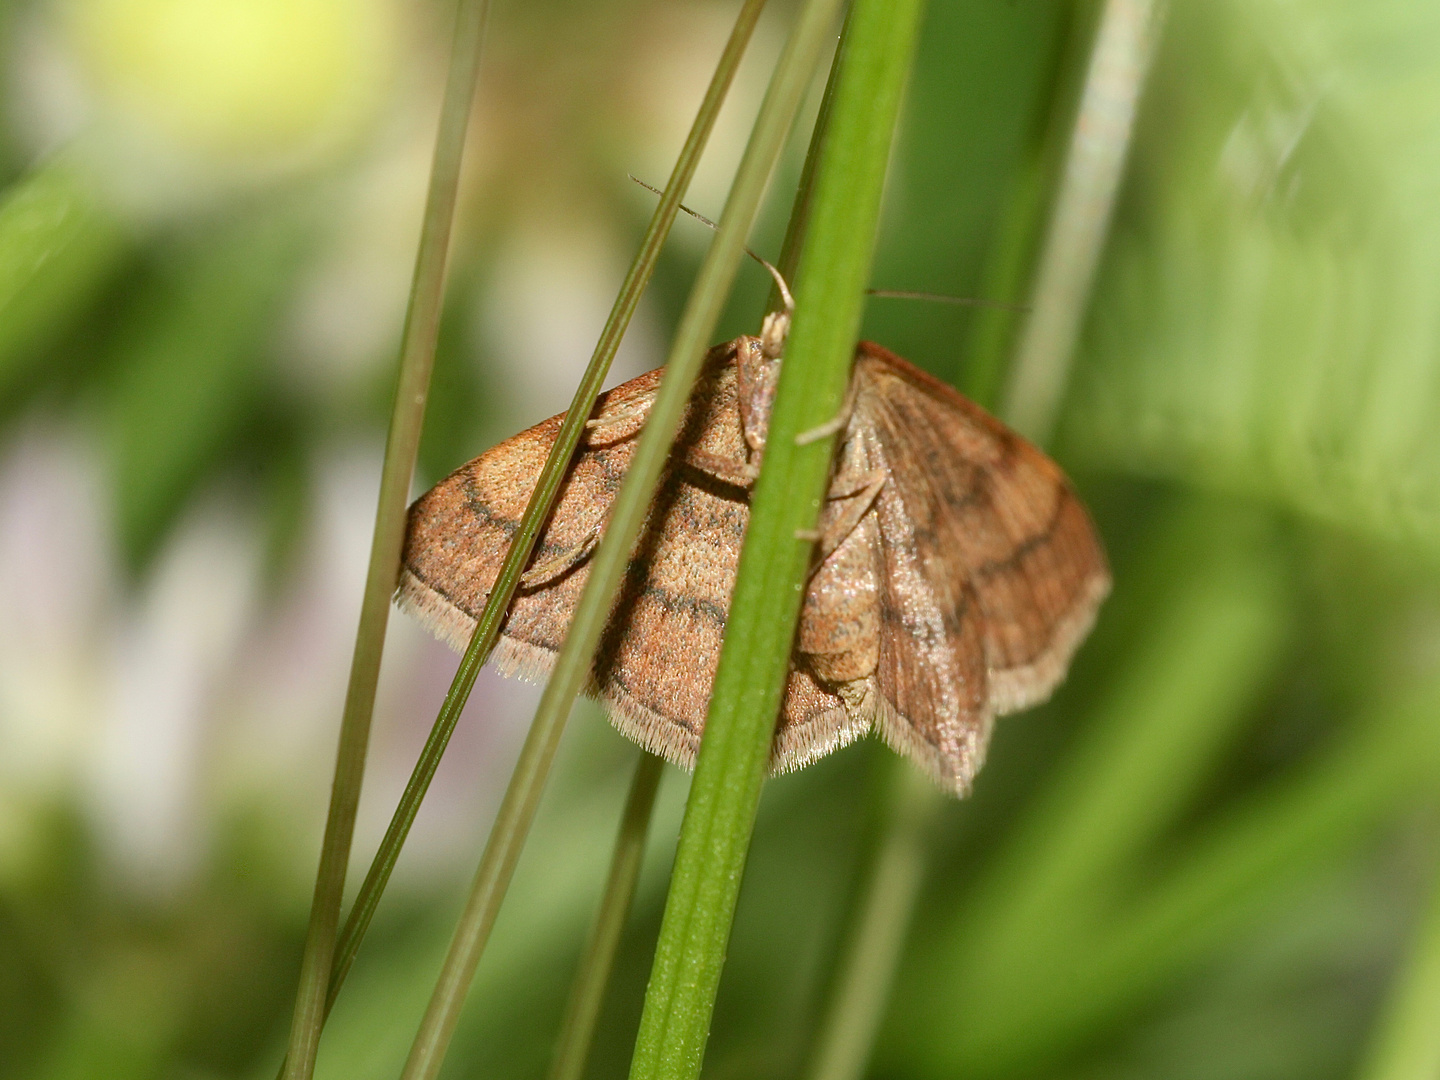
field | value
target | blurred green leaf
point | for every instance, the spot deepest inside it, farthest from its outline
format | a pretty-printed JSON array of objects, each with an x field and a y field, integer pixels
[
  {"x": 1265, "y": 320},
  {"x": 58, "y": 246},
  {"x": 188, "y": 364},
  {"x": 1151, "y": 741}
]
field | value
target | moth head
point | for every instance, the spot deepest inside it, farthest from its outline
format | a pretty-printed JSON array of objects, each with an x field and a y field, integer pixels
[{"x": 773, "y": 332}]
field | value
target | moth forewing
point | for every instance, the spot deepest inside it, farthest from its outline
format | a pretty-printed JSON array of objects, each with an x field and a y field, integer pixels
[{"x": 956, "y": 571}]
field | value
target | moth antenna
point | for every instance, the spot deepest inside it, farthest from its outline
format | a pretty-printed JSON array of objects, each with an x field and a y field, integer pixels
[
  {"x": 779, "y": 284},
  {"x": 941, "y": 298},
  {"x": 785, "y": 295}
]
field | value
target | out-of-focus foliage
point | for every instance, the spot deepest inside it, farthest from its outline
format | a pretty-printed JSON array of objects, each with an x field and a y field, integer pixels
[
  {"x": 1207, "y": 858},
  {"x": 1267, "y": 319}
]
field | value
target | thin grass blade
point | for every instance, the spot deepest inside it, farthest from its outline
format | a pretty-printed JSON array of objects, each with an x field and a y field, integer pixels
[
  {"x": 587, "y": 993},
  {"x": 880, "y": 920},
  {"x": 422, "y": 324}
]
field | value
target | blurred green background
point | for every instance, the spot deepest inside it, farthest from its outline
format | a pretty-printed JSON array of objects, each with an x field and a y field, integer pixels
[{"x": 1211, "y": 856}]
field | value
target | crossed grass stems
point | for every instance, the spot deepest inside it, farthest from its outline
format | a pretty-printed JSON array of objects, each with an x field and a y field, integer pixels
[
  {"x": 326, "y": 962},
  {"x": 1329, "y": 799},
  {"x": 832, "y": 226}
]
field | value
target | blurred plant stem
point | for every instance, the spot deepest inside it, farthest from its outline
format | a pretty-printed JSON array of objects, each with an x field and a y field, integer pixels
[
  {"x": 1099, "y": 142},
  {"x": 873, "y": 61},
  {"x": 417, "y": 357},
  {"x": 587, "y": 992},
  {"x": 508, "y": 834},
  {"x": 894, "y": 870},
  {"x": 793, "y": 74},
  {"x": 1407, "y": 1037},
  {"x": 1010, "y": 264}
]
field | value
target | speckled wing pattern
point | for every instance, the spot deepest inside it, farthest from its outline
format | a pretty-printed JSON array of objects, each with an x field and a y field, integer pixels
[
  {"x": 960, "y": 593},
  {"x": 658, "y": 655}
]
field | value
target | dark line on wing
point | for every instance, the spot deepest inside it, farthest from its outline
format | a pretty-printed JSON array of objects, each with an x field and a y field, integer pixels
[
  {"x": 1026, "y": 546},
  {"x": 475, "y": 503},
  {"x": 637, "y": 573}
]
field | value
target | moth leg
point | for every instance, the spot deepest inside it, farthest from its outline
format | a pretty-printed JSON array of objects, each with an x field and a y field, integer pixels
[
  {"x": 835, "y": 424},
  {"x": 861, "y": 701},
  {"x": 860, "y": 484},
  {"x": 553, "y": 567},
  {"x": 834, "y": 528},
  {"x": 624, "y": 415},
  {"x": 740, "y": 473}
]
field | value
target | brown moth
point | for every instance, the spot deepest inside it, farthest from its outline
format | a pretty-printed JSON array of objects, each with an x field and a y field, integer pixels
[{"x": 956, "y": 572}]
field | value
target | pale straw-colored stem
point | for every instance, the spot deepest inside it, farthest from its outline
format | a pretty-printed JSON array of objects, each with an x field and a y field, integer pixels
[{"x": 1080, "y": 220}]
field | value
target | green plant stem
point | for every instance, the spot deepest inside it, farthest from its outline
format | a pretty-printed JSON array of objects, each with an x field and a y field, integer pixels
[
  {"x": 875, "y": 58},
  {"x": 1407, "y": 1039},
  {"x": 607, "y": 567},
  {"x": 1010, "y": 265},
  {"x": 542, "y": 499},
  {"x": 794, "y": 241},
  {"x": 422, "y": 322},
  {"x": 588, "y": 991},
  {"x": 886, "y": 896},
  {"x": 870, "y": 953},
  {"x": 1090, "y": 180}
]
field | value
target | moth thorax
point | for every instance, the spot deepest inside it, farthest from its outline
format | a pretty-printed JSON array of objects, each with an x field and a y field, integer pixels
[{"x": 772, "y": 333}]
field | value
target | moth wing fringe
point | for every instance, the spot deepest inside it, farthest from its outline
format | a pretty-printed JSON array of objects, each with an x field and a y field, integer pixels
[
  {"x": 637, "y": 722},
  {"x": 1016, "y": 688},
  {"x": 434, "y": 611},
  {"x": 802, "y": 743},
  {"x": 796, "y": 745},
  {"x": 900, "y": 736}
]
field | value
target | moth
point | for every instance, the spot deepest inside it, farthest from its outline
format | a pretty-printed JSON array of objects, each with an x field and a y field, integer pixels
[{"x": 955, "y": 570}]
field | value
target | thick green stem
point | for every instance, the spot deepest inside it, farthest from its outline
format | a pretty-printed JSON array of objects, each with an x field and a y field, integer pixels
[
  {"x": 794, "y": 241},
  {"x": 1099, "y": 140},
  {"x": 422, "y": 323},
  {"x": 875, "y": 58},
  {"x": 587, "y": 993}
]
